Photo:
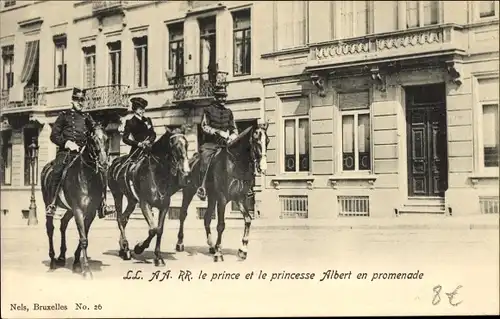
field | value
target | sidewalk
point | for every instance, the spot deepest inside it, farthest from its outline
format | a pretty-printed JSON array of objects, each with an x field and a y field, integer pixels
[{"x": 475, "y": 222}]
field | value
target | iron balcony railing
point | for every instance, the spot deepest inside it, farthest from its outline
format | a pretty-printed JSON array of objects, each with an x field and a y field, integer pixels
[
  {"x": 197, "y": 85},
  {"x": 101, "y": 6},
  {"x": 106, "y": 97},
  {"x": 32, "y": 96}
]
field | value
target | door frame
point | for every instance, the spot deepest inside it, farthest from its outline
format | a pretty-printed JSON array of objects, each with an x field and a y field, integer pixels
[{"x": 407, "y": 136}]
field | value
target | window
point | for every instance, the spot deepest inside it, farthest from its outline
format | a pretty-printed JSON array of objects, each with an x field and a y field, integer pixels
[
  {"x": 488, "y": 124},
  {"x": 114, "y": 144},
  {"x": 296, "y": 148},
  {"x": 60, "y": 61},
  {"x": 208, "y": 45},
  {"x": 291, "y": 25},
  {"x": 141, "y": 61},
  {"x": 9, "y": 3},
  {"x": 30, "y": 136},
  {"x": 355, "y": 18},
  {"x": 355, "y": 115},
  {"x": 421, "y": 13},
  {"x": 490, "y": 135},
  {"x": 115, "y": 63},
  {"x": 242, "y": 42},
  {"x": 8, "y": 67},
  {"x": 176, "y": 49},
  {"x": 90, "y": 66},
  {"x": 6, "y": 159},
  {"x": 487, "y": 9}
]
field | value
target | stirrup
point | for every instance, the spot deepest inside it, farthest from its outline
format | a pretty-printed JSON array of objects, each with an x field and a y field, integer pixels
[
  {"x": 104, "y": 211},
  {"x": 201, "y": 193},
  {"x": 50, "y": 210}
]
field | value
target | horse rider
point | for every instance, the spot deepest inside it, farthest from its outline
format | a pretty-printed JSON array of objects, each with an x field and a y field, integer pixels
[
  {"x": 140, "y": 128},
  {"x": 220, "y": 129},
  {"x": 69, "y": 133}
]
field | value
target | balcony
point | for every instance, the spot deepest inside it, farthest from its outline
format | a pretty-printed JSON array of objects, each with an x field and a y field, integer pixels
[
  {"x": 196, "y": 88},
  {"x": 32, "y": 96},
  {"x": 109, "y": 97},
  {"x": 426, "y": 42},
  {"x": 106, "y": 7}
]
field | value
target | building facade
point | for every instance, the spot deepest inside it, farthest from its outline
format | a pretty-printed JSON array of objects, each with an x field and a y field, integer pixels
[{"x": 375, "y": 108}]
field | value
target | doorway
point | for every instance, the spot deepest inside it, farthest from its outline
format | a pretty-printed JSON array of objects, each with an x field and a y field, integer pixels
[{"x": 427, "y": 154}]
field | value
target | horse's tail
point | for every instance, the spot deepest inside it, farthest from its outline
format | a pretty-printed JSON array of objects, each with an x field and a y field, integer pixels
[{"x": 43, "y": 180}]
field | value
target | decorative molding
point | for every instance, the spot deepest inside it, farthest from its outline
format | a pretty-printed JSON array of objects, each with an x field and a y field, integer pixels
[
  {"x": 309, "y": 184},
  {"x": 208, "y": 9},
  {"x": 244, "y": 100},
  {"x": 454, "y": 69},
  {"x": 276, "y": 184},
  {"x": 370, "y": 179},
  {"x": 319, "y": 81},
  {"x": 379, "y": 79},
  {"x": 290, "y": 94},
  {"x": 30, "y": 22}
]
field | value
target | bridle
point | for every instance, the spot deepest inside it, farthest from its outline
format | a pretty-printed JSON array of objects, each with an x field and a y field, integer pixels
[{"x": 254, "y": 158}]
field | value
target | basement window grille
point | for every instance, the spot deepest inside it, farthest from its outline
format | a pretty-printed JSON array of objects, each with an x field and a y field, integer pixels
[
  {"x": 294, "y": 206},
  {"x": 350, "y": 206},
  {"x": 489, "y": 205},
  {"x": 174, "y": 213}
]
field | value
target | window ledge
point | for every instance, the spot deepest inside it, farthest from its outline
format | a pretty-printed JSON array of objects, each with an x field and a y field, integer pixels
[
  {"x": 475, "y": 178},
  {"x": 276, "y": 180},
  {"x": 60, "y": 89},
  {"x": 301, "y": 49},
  {"x": 370, "y": 178}
]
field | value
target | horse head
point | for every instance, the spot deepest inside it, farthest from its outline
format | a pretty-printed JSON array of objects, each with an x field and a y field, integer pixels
[
  {"x": 258, "y": 147},
  {"x": 97, "y": 146},
  {"x": 174, "y": 145}
]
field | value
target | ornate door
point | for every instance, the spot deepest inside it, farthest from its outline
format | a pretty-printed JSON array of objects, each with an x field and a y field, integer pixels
[{"x": 426, "y": 145}]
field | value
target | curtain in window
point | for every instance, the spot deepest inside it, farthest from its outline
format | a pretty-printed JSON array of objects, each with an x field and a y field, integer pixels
[
  {"x": 411, "y": 14},
  {"x": 431, "y": 12},
  {"x": 299, "y": 14},
  {"x": 285, "y": 24},
  {"x": 30, "y": 61},
  {"x": 361, "y": 17},
  {"x": 290, "y": 137},
  {"x": 347, "y": 21},
  {"x": 348, "y": 142},
  {"x": 490, "y": 135},
  {"x": 304, "y": 144},
  {"x": 364, "y": 141}
]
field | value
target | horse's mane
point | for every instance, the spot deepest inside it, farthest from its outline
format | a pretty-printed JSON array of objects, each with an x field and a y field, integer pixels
[
  {"x": 242, "y": 139},
  {"x": 161, "y": 147}
]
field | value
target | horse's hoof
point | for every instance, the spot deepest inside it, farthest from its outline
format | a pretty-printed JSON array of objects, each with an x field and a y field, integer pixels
[
  {"x": 159, "y": 262},
  {"x": 87, "y": 275},
  {"x": 179, "y": 247},
  {"x": 125, "y": 254},
  {"x": 77, "y": 268},
  {"x": 138, "y": 249},
  {"x": 61, "y": 262},
  {"x": 218, "y": 257},
  {"x": 242, "y": 254},
  {"x": 53, "y": 264},
  {"x": 211, "y": 250}
]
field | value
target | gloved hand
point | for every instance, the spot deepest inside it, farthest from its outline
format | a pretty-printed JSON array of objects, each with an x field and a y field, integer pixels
[
  {"x": 72, "y": 146},
  {"x": 141, "y": 145},
  {"x": 224, "y": 134},
  {"x": 232, "y": 137}
]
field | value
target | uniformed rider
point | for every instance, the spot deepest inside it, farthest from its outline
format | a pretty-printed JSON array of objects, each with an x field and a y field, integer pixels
[
  {"x": 219, "y": 129},
  {"x": 70, "y": 133},
  {"x": 139, "y": 127}
]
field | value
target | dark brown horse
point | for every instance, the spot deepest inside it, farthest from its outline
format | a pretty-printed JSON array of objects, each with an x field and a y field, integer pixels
[
  {"x": 151, "y": 181},
  {"x": 81, "y": 195},
  {"x": 230, "y": 177}
]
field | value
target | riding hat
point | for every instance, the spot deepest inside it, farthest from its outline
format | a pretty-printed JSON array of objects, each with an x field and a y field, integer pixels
[
  {"x": 138, "y": 102},
  {"x": 220, "y": 90},
  {"x": 78, "y": 94}
]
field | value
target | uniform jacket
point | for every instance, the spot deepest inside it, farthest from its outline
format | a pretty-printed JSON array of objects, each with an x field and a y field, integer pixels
[
  {"x": 215, "y": 119},
  {"x": 73, "y": 126},
  {"x": 139, "y": 131}
]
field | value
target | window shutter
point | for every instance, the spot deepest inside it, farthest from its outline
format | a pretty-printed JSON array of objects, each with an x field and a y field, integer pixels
[{"x": 354, "y": 101}]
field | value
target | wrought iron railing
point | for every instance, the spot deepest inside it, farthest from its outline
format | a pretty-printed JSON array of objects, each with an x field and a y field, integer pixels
[
  {"x": 197, "y": 85},
  {"x": 32, "y": 96},
  {"x": 107, "y": 5},
  {"x": 294, "y": 206},
  {"x": 106, "y": 97}
]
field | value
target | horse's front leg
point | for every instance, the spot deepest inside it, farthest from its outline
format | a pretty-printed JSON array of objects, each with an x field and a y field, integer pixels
[
  {"x": 161, "y": 221},
  {"x": 122, "y": 220},
  {"x": 83, "y": 224},
  {"x": 61, "y": 260},
  {"x": 207, "y": 219},
  {"x": 49, "y": 226},
  {"x": 153, "y": 229},
  {"x": 221, "y": 225},
  {"x": 187, "y": 197},
  {"x": 242, "y": 252}
]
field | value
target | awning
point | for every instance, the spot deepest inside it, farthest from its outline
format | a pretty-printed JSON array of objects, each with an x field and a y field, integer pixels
[{"x": 30, "y": 59}]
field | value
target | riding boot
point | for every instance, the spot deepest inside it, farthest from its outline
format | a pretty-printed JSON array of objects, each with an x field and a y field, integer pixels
[
  {"x": 204, "y": 165},
  {"x": 58, "y": 171}
]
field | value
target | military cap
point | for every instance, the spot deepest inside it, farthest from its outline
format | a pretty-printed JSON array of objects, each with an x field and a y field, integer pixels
[
  {"x": 220, "y": 90},
  {"x": 138, "y": 102},
  {"x": 78, "y": 94}
]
